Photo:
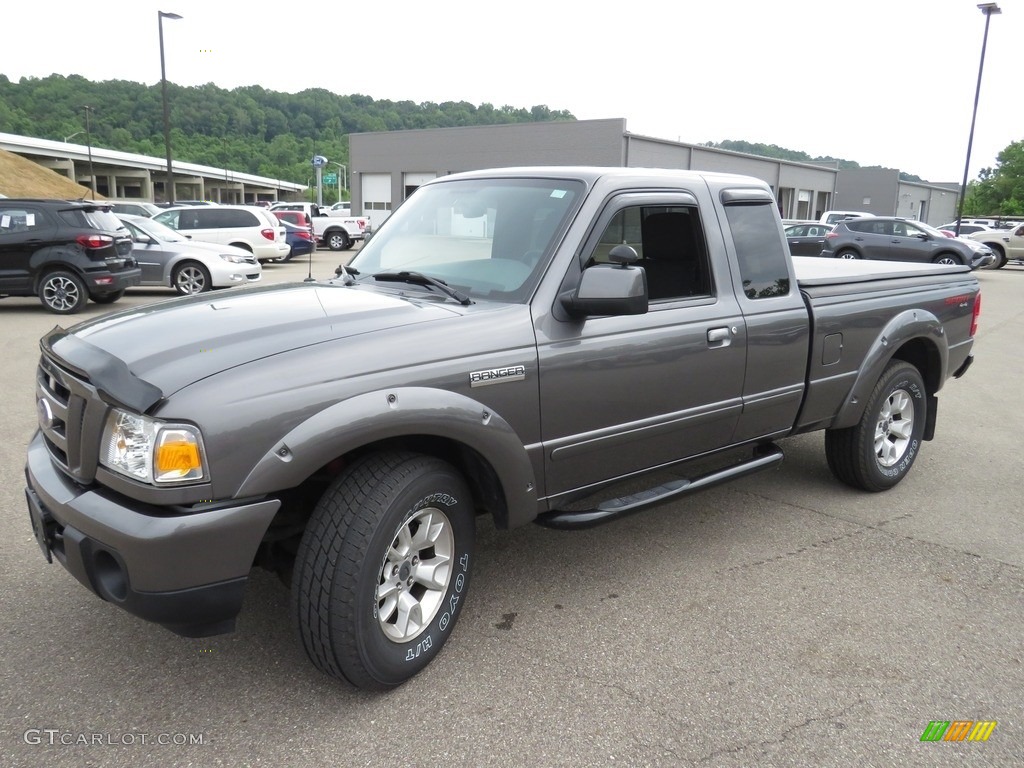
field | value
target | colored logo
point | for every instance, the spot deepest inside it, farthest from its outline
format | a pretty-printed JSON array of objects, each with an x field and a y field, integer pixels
[{"x": 958, "y": 730}]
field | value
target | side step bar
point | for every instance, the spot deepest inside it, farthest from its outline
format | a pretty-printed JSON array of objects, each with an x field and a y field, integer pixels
[{"x": 765, "y": 457}]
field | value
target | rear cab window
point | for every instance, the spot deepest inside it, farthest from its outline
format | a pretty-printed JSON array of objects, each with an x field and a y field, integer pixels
[{"x": 763, "y": 263}]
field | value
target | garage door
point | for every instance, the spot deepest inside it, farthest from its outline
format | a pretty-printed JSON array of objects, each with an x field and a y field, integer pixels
[{"x": 376, "y": 188}]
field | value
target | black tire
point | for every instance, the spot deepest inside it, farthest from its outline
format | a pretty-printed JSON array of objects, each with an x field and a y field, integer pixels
[
  {"x": 847, "y": 253},
  {"x": 107, "y": 298},
  {"x": 879, "y": 451},
  {"x": 1000, "y": 257},
  {"x": 354, "y": 576},
  {"x": 947, "y": 258},
  {"x": 190, "y": 277},
  {"x": 62, "y": 292},
  {"x": 338, "y": 240}
]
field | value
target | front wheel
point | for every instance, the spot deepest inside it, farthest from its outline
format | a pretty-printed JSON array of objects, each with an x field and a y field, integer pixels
[
  {"x": 338, "y": 241},
  {"x": 947, "y": 258},
  {"x": 879, "y": 451},
  {"x": 383, "y": 568},
  {"x": 191, "y": 277}
]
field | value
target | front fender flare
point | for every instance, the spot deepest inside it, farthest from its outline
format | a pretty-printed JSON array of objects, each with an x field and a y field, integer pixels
[
  {"x": 394, "y": 413},
  {"x": 906, "y": 326}
]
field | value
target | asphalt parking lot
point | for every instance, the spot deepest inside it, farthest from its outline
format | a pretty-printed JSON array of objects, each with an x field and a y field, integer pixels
[{"x": 780, "y": 620}]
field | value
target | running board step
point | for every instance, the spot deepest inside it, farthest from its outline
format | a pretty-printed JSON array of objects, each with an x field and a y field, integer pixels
[{"x": 764, "y": 457}]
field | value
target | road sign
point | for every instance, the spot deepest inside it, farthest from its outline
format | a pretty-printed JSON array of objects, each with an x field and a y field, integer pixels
[{"x": 330, "y": 178}]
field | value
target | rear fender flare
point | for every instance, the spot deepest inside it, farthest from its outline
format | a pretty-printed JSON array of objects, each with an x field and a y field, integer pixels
[
  {"x": 906, "y": 326},
  {"x": 394, "y": 413}
]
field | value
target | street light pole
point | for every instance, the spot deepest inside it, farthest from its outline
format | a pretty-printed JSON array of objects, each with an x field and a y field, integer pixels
[
  {"x": 988, "y": 9},
  {"x": 88, "y": 138},
  {"x": 169, "y": 184},
  {"x": 344, "y": 171},
  {"x": 76, "y": 133}
]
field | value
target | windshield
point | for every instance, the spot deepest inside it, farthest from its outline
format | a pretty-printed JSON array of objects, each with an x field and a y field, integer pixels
[
  {"x": 488, "y": 238},
  {"x": 159, "y": 231}
]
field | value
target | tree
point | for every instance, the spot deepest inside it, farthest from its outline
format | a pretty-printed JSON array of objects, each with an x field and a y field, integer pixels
[{"x": 999, "y": 191}]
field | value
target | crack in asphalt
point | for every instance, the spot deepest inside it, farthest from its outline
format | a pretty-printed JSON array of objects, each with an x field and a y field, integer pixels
[{"x": 784, "y": 736}]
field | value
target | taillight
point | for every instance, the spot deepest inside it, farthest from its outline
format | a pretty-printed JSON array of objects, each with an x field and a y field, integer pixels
[
  {"x": 831, "y": 235},
  {"x": 270, "y": 234},
  {"x": 303, "y": 235},
  {"x": 362, "y": 224},
  {"x": 976, "y": 314},
  {"x": 94, "y": 241}
]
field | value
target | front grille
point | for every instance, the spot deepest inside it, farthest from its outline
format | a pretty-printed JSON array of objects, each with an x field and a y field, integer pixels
[{"x": 71, "y": 416}]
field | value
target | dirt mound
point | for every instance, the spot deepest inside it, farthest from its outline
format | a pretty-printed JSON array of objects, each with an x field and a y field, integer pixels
[{"x": 23, "y": 178}]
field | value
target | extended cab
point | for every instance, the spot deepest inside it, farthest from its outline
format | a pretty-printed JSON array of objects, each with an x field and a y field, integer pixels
[
  {"x": 523, "y": 343},
  {"x": 333, "y": 229}
]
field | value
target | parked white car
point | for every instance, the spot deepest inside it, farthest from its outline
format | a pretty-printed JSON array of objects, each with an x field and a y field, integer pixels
[
  {"x": 169, "y": 258},
  {"x": 831, "y": 217},
  {"x": 243, "y": 226}
]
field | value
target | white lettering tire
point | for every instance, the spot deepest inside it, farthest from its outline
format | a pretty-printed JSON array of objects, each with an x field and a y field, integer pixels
[
  {"x": 879, "y": 451},
  {"x": 383, "y": 569}
]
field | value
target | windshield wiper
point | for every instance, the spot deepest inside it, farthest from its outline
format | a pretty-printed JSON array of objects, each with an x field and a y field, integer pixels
[{"x": 418, "y": 278}]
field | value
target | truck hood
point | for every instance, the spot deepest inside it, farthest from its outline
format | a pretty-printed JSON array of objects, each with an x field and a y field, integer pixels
[{"x": 175, "y": 343}]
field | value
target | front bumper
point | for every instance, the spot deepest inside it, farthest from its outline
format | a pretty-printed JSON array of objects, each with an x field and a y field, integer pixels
[
  {"x": 186, "y": 572},
  {"x": 982, "y": 259}
]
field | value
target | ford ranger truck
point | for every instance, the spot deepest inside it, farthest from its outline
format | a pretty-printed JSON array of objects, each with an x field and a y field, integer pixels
[{"x": 520, "y": 343}]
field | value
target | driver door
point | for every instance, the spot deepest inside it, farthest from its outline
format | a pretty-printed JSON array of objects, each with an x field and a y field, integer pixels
[{"x": 620, "y": 395}]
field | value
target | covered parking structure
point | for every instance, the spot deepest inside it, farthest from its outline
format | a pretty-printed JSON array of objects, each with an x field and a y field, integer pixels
[{"x": 125, "y": 175}]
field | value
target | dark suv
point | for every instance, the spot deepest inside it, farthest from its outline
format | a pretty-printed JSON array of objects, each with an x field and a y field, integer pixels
[
  {"x": 64, "y": 252},
  {"x": 891, "y": 239}
]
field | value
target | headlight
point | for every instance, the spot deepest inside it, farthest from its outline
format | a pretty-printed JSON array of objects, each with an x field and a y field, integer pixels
[
  {"x": 234, "y": 258},
  {"x": 152, "y": 451}
]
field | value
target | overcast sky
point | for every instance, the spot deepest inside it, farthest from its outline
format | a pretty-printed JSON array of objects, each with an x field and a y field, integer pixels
[{"x": 880, "y": 82}]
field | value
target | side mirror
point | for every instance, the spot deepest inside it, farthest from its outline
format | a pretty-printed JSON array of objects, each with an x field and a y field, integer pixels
[{"x": 609, "y": 290}]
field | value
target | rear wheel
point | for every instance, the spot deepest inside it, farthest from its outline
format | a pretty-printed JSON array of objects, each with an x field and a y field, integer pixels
[
  {"x": 383, "y": 568},
  {"x": 62, "y": 292},
  {"x": 879, "y": 451},
  {"x": 190, "y": 277},
  {"x": 107, "y": 298},
  {"x": 338, "y": 240},
  {"x": 848, "y": 253}
]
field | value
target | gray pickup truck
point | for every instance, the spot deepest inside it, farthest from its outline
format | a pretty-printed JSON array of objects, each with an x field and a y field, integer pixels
[{"x": 524, "y": 343}]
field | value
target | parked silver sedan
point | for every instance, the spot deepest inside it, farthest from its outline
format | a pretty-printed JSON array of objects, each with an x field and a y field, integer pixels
[{"x": 169, "y": 258}]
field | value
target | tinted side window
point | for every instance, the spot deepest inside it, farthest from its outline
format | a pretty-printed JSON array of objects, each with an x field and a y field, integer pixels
[
  {"x": 764, "y": 268},
  {"x": 670, "y": 243},
  {"x": 221, "y": 218}
]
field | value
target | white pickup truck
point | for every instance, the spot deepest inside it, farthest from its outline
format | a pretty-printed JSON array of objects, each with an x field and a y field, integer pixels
[
  {"x": 337, "y": 232},
  {"x": 1008, "y": 244}
]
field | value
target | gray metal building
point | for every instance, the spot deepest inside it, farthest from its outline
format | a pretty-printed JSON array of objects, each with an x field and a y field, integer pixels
[
  {"x": 386, "y": 167},
  {"x": 881, "y": 192}
]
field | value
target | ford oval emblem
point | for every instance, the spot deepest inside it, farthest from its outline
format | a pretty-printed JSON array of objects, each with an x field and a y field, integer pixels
[{"x": 45, "y": 413}]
